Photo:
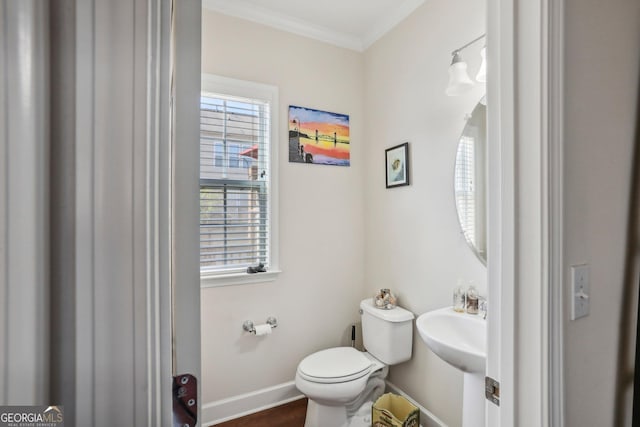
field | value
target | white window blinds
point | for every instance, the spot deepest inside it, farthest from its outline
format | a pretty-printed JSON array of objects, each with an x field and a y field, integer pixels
[
  {"x": 234, "y": 183},
  {"x": 465, "y": 188}
]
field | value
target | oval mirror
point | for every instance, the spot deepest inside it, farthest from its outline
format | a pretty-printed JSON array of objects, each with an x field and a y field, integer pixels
[{"x": 470, "y": 181}]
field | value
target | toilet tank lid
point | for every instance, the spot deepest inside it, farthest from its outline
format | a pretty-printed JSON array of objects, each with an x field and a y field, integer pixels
[{"x": 397, "y": 314}]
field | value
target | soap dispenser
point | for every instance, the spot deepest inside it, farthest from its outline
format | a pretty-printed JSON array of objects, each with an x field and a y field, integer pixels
[
  {"x": 459, "y": 298},
  {"x": 472, "y": 300}
]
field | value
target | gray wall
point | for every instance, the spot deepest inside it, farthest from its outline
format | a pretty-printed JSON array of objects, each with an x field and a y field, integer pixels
[{"x": 601, "y": 93}]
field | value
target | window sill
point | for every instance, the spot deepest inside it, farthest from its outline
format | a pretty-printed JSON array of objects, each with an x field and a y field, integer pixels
[{"x": 232, "y": 279}]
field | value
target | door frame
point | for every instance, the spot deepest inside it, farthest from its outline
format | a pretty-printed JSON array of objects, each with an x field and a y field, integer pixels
[
  {"x": 501, "y": 209},
  {"x": 524, "y": 95},
  {"x": 185, "y": 174},
  {"x": 174, "y": 82},
  {"x": 525, "y": 266}
]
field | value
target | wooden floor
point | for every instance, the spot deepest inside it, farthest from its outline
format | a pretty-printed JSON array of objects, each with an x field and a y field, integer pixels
[{"x": 291, "y": 414}]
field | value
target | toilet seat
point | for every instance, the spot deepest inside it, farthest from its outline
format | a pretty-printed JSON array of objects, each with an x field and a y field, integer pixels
[{"x": 335, "y": 365}]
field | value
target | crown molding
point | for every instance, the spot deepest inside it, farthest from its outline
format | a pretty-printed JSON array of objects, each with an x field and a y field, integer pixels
[
  {"x": 264, "y": 16},
  {"x": 283, "y": 22},
  {"x": 389, "y": 21}
]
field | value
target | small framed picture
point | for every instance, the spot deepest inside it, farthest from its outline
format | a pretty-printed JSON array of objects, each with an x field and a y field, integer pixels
[{"x": 397, "y": 165}]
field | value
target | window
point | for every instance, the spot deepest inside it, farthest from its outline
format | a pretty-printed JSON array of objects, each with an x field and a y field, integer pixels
[
  {"x": 465, "y": 191},
  {"x": 470, "y": 181},
  {"x": 237, "y": 215}
]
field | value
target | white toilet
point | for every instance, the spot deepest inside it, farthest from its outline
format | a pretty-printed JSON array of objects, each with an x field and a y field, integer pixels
[{"x": 339, "y": 380}]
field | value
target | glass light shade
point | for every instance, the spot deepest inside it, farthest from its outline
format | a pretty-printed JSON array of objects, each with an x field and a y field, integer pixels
[
  {"x": 459, "y": 80},
  {"x": 482, "y": 72}
]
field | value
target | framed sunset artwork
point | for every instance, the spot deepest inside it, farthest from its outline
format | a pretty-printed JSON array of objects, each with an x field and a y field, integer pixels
[{"x": 318, "y": 137}]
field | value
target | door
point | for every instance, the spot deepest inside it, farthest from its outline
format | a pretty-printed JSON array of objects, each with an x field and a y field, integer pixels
[{"x": 185, "y": 201}]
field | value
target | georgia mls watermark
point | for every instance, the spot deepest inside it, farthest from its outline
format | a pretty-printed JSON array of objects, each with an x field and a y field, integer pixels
[{"x": 31, "y": 416}]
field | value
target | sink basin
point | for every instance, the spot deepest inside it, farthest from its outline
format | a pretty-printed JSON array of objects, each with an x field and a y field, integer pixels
[{"x": 459, "y": 339}]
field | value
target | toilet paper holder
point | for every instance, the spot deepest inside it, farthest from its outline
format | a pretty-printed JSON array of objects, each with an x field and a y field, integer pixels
[{"x": 249, "y": 326}]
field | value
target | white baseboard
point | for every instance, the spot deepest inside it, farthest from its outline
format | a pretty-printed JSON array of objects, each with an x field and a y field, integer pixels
[
  {"x": 223, "y": 410},
  {"x": 427, "y": 419}
]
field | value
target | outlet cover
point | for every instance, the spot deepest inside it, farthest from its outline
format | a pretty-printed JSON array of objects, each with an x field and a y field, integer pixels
[{"x": 580, "y": 291}]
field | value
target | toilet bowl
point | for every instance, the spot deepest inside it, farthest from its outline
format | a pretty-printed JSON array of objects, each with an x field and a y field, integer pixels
[{"x": 339, "y": 380}]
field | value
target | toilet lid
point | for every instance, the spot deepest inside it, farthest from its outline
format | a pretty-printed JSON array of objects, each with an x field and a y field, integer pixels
[{"x": 339, "y": 364}]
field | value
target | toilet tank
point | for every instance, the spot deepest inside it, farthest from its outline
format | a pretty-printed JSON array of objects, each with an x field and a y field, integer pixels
[{"x": 387, "y": 334}]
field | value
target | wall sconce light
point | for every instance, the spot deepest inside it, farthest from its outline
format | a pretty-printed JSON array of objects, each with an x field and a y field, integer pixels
[{"x": 459, "y": 80}]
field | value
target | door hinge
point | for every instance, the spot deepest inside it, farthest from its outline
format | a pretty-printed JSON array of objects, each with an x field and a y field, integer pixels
[
  {"x": 492, "y": 390},
  {"x": 185, "y": 400}
]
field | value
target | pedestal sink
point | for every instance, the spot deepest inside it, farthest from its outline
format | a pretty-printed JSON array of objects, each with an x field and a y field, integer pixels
[{"x": 460, "y": 339}]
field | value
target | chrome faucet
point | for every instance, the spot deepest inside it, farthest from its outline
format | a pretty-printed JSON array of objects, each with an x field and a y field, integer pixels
[{"x": 483, "y": 307}]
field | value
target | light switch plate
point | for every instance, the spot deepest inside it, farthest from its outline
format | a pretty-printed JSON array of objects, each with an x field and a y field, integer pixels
[{"x": 580, "y": 291}]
